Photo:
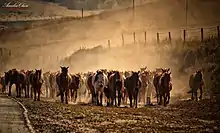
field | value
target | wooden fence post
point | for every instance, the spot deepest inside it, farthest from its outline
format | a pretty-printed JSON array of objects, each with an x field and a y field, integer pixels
[
  {"x": 218, "y": 33},
  {"x": 184, "y": 36},
  {"x": 109, "y": 44},
  {"x": 82, "y": 13},
  {"x": 123, "y": 41},
  {"x": 145, "y": 38},
  {"x": 170, "y": 39},
  {"x": 134, "y": 37},
  {"x": 158, "y": 38},
  {"x": 202, "y": 35}
]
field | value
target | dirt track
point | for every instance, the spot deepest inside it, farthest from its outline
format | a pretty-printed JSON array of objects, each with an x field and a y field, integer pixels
[{"x": 185, "y": 116}]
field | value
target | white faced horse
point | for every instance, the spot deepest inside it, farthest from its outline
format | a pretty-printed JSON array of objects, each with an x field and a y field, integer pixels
[{"x": 99, "y": 82}]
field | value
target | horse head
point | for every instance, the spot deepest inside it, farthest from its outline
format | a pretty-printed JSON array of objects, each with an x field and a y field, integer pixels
[
  {"x": 64, "y": 70},
  {"x": 199, "y": 75},
  {"x": 7, "y": 77},
  {"x": 167, "y": 77},
  {"x": 135, "y": 77},
  {"x": 99, "y": 77},
  {"x": 38, "y": 74}
]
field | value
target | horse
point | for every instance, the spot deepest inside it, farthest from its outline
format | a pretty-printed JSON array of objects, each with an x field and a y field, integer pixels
[
  {"x": 144, "y": 75},
  {"x": 46, "y": 83},
  {"x": 156, "y": 79},
  {"x": 99, "y": 82},
  {"x": 165, "y": 86},
  {"x": 29, "y": 89},
  {"x": 18, "y": 78},
  {"x": 3, "y": 85},
  {"x": 36, "y": 83},
  {"x": 63, "y": 81},
  {"x": 132, "y": 84},
  {"x": 90, "y": 86},
  {"x": 196, "y": 82},
  {"x": 52, "y": 84},
  {"x": 115, "y": 85},
  {"x": 74, "y": 86}
]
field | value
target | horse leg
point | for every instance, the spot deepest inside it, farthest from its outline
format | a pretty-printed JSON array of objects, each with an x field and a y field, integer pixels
[
  {"x": 35, "y": 93},
  {"x": 165, "y": 99},
  {"x": 97, "y": 98},
  {"x": 200, "y": 97},
  {"x": 76, "y": 95},
  {"x": 196, "y": 95},
  {"x": 115, "y": 99},
  {"x": 32, "y": 91},
  {"x": 119, "y": 98},
  {"x": 9, "y": 91},
  {"x": 62, "y": 97},
  {"x": 28, "y": 87},
  {"x": 130, "y": 99},
  {"x": 101, "y": 96},
  {"x": 168, "y": 98},
  {"x": 66, "y": 95},
  {"x": 39, "y": 91},
  {"x": 192, "y": 95},
  {"x": 17, "y": 91},
  {"x": 25, "y": 90},
  {"x": 160, "y": 100}
]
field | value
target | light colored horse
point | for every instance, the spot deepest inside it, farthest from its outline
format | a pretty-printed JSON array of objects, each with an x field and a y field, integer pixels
[{"x": 99, "y": 82}]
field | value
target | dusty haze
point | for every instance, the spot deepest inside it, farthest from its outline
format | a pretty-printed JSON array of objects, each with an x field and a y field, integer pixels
[{"x": 50, "y": 46}]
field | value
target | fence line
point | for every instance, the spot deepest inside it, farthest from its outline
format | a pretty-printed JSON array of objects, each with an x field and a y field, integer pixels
[{"x": 185, "y": 35}]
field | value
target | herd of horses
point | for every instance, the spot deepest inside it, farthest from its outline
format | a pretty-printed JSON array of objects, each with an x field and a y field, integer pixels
[{"x": 115, "y": 86}]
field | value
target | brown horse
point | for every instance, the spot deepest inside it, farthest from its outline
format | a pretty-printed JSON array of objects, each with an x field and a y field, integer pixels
[
  {"x": 36, "y": 83},
  {"x": 90, "y": 86},
  {"x": 132, "y": 86},
  {"x": 196, "y": 82},
  {"x": 63, "y": 80},
  {"x": 115, "y": 85},
  {"x": 158, "y": 74},
  {"x": 3, "y": 85},
  {"x": 164, "y": 88},
  {"x": 18, "y": 78},
  {"x": 29, "y": 75},
  {"x": 74, "y": 86}
]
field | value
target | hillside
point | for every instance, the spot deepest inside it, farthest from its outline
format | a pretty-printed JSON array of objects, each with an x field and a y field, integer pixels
[
  {"x": 36, "y": 9},
  {"x": 62, "y": 39}
]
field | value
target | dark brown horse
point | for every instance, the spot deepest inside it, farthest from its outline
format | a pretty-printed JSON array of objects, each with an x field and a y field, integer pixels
[
  {"x": 90, "y": 86},
  {"x": 165, "y": 87},
  {"x": 132, "y": 85},
  {"x": 29, "y": 89},
  {"x": 3, "y": 85},
  {"x": 196, "y": 82},
  {"x": 158, "y": 74},
  {"x": 74, "y": 86},
  {"x": 63, "y": 80},
  {"x": 36, "y": 83},
  {"x": 18, "y": 78},
  {"x": 115, "y": 85}
]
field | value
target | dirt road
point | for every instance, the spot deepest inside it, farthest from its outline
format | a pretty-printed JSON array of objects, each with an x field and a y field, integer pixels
[
  {"x": 11, "y": 117},
  {"x": 183, "y": 116}
]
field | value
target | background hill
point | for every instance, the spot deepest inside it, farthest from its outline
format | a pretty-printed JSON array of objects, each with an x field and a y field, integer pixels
[{"x": 59, "y": 40}]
